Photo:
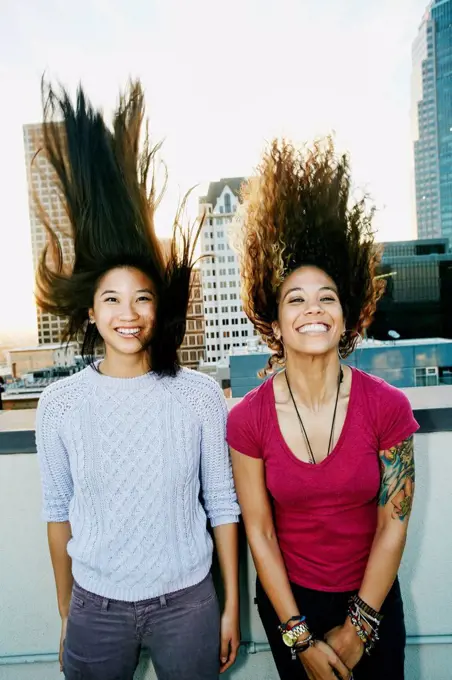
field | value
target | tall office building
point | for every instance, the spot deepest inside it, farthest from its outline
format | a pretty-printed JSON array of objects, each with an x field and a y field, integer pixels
[
  {"x": 432, "y": 121},
  {"x": 40, "y": 176},
  {"x": 226, "y": 323},
  {"x": 416, "y": 303}
]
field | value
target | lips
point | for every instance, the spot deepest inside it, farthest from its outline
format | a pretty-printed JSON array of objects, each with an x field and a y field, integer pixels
[
  {"x": 128, "y": 332},
  {"x": 314, "y": 328}
]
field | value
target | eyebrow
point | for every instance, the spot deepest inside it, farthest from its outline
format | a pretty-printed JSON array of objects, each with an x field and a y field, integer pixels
[
  {"x": 291, "y": 290},
  {"x": 141, "y": 290}
]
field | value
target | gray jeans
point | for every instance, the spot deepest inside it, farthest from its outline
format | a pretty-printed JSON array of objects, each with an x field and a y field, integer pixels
[{"x": 181, "y": 632}]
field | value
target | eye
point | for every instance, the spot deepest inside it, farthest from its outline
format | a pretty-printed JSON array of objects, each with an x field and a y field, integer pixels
[
  {"x": 144, "y": 298},
  {"x": 296, "y": 299},
  {"x": 110, "y": 299},
  {"x": 328, "y": 298}
]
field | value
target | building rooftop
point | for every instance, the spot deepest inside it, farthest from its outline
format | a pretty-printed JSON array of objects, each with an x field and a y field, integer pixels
[
  {"x": 43, "y": 348},
  {"x": 216, "y": 188}
]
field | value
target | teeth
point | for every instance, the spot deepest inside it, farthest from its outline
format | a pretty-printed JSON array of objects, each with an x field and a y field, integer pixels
[
  {"x": 128, "y": 331},
  {"x": 314, "y": 328}
]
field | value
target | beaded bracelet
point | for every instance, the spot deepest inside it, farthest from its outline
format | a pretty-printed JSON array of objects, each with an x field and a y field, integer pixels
[
  {"x": 358, "y": 617},
  {"x": 301, "y": 646}
]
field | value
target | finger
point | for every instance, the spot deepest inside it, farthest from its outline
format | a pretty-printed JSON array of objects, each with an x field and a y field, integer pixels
[
  {"x": 229, "y": 663},
  {"x": 341, "y": 669},
  {"x": 224, "y": 650}
]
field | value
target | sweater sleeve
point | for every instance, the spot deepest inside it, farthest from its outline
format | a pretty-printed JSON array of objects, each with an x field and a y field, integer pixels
[
  {"x": 217, "y": 485},
  {"x": 56, "y": 478}
]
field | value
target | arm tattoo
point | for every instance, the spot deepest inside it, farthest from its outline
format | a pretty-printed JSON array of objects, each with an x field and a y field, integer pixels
[{"x": 397, "y": 478}]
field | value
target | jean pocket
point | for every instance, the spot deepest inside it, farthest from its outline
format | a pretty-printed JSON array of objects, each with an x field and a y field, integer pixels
[
  {"x": 77, "y": 602},
  {"x": 197, "y": 596}
]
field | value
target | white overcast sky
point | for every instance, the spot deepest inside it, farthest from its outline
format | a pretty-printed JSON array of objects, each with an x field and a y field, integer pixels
[{"x": 221, "y": 79}]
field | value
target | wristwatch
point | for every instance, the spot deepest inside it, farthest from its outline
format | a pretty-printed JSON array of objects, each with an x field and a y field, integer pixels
[{"x": 291, "y": 636}]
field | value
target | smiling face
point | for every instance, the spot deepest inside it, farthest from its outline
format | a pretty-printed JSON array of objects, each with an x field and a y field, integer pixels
[
  {"x": 310, "y": 316},
  {"x": 124, "y": 310}
]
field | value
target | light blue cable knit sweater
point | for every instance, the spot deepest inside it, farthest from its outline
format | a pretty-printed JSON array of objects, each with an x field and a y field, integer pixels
[{"x": 137, "y": 465}]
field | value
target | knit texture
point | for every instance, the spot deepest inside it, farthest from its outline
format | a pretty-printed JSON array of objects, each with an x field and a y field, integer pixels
[{"x": 137, "y": 466}]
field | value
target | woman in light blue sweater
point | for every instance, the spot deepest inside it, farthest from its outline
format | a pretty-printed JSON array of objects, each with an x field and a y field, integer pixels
[{"x": 132, "y": 451}]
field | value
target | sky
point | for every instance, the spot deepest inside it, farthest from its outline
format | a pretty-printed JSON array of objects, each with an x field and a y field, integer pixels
[{"x": 221, "y": 80}]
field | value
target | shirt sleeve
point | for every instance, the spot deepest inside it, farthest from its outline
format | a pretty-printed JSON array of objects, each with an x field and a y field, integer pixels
[
  {"x": 56, "y": 479},
  {"x": 396, "y": 419},
  {"x": 217, "y": 484},
  {"x": 241, "y": 434}
]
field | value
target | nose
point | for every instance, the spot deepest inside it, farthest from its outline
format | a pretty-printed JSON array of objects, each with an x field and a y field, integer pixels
[
  {"x": 128, "y": 312},
  {"x": 314, "y": 308}
]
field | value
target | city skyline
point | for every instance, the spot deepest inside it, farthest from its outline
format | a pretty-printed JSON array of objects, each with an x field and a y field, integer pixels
[
  {"x": 432, "y": 121},
  {"x": 218, "y": 88}
]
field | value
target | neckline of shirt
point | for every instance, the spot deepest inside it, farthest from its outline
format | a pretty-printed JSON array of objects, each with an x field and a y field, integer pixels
[{"x": 108, "y": 381}]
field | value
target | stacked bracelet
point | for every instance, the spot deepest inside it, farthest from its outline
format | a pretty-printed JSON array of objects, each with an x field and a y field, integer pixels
[
  {"x": 302, "y": 645},
  {"x": 366, "y": 622},
  {"x": 292, "y": 629}
]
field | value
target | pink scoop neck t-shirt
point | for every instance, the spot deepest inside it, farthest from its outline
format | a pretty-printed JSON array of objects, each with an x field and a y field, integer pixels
[{"x": 325, "y": 514}]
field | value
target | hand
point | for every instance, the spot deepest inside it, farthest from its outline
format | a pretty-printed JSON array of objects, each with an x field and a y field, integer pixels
[
  {"x": 346, "y": 643},
  {"x": 62, "y": 639},
  {"x": 322, "y": 663},
  {"x": 229, "y": 638}
]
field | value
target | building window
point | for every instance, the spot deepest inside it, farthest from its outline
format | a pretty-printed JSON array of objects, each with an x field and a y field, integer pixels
[
  {"x": 425, "y": 377},
  {"x": 231, "y": 271},
  {"x": 243, "y": 321},
  {"x": 244, "y": 334},
  {"x": 227, "y": 203},
  {"x": 220, "y": 246},
  {"x": 230, "y": 258}
]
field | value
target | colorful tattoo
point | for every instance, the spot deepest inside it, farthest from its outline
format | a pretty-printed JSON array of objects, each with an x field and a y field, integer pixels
[{"x": 397, "y": 478}]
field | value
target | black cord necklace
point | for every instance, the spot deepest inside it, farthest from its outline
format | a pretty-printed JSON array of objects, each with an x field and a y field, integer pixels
[{"x": 303, "y": 429}]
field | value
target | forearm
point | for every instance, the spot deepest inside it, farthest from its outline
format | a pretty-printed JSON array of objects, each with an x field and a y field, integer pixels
[
  {"x": 59, "y": 535},
  {"x": 272, "y": 574},
  {"x": 226, "y": 543},
  {"x": 383, "y": 565}
]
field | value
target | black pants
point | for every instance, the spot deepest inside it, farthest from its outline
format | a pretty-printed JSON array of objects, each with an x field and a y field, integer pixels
[{"x": 323, "y": 612}]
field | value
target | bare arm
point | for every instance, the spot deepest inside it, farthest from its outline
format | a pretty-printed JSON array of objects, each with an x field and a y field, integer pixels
[
  {"x": 59, "y": 535},
  {"x": 256, "y": 510},
  {"x": 226, "y": 544},
  {"x": 394, "y": 508},
  {"x": 260, "y": 530},
  {"x": 395, "y": 500}
]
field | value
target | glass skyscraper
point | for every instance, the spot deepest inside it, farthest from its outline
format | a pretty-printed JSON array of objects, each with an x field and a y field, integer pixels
[{"x": 432, "y": 121}]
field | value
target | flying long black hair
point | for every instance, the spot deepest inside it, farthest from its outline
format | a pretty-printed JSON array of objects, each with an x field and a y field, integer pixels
[{"x": 105, "y": 179}]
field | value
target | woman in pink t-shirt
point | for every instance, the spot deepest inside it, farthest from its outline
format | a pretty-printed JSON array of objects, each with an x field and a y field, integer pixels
[{"x": 322, "y": 452}]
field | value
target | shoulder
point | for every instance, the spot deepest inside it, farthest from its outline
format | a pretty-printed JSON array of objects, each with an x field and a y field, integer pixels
[
  {"x": 62, "y": 395},
  {"x": 390, "y": 408},
  {"x": 248, "y": 418},
  {"x": 253, "y": 401},
  {"x": 387, "y": 396},
  {"x": 187, "y": 381},
  {"x": 196, "y": 390}
]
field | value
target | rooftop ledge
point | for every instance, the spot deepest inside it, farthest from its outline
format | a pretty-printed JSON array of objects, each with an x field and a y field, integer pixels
[
  {"x": 432, "y": 408},
  {"x": 29, "y": 623}
]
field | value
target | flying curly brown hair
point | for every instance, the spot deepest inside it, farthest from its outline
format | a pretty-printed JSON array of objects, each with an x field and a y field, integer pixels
[{"x": 298, "y": 211}]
